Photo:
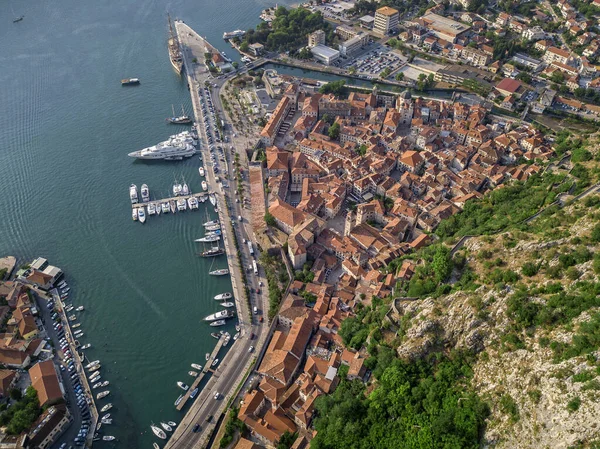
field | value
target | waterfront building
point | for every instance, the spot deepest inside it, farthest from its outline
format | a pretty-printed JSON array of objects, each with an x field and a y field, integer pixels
[
  {"x": 49, "y": 426},
  {"x": 316, "y": 38},
  {"x": 354, "y": 44},
  {"x": 386, "y": 20},
  {"x": 326, "y": 55},
  {"x": 256, "y": 49},
  {"x": 45, "y": 381}
]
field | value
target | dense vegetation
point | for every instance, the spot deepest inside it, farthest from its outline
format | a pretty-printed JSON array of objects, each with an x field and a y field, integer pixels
[
  {"x": 426, "y": 403},
  {"x": 277, "y": 279},
  {"x": 22, "y": 414},
  {"x": 289, "y": 30},
  {"x": 234, "y": 425}
]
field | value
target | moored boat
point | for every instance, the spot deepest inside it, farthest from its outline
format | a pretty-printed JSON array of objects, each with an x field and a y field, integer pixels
[
  {"x": 178, "y": 400},
  {"x": 106, "y": 408},
  {"x": 217, "y": 323},
  {"x": 215, "y": 363},
  {"x": 201, "y": 171},
  {"x": 151, "y": 209},
  {"x": 208, "y": 239},
  {"x": 196, "y": 366},
  {"x": 183, "y": 386},
  {"x": 165, "y": 207},
  {"x": 214, "y": 251},
  {"x": 194, "y": 393},
  {"x": 173, "y": 206},
  {"x": 134, "y": 214},
  {"x": 141, "y": 214},
  {"x": 158, "y": 432},
  {"x": 130, "y": 81},
  {"x": 145, "y": 193},
  {"x": 167, "y": 427},
  {"x": 220, "y": 272},
  {"x": 102, "y": 394},
  {"x": 108, "y": 438},
  {"x": 228, "y": 304},
  {"x": 193, "y": 373},
  {"x": 204, "y": 186},
  {"x": 223, "y": 296},
  {"x": 223, "y": 314}
]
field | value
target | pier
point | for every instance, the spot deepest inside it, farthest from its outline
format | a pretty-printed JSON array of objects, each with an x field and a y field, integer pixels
[
  {"x": 205, "y": 370},
  {"x": 202, "y": 197}
]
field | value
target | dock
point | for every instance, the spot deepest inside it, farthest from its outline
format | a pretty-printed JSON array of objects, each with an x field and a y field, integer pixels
[
  {"x": 202, "y": 197},
  {"x": 205, "y": 370}
]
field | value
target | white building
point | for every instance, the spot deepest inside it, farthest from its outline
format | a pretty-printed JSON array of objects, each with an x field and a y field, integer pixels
[
  {"x": 534, "y": 34},
  {"x": 326, "y": 55},
  {"x": 351, "y": 46},
  {"x": 386, "y": 19}
]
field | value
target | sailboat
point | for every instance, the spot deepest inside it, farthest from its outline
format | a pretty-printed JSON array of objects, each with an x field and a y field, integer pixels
[{"x": 181, "y": 120}]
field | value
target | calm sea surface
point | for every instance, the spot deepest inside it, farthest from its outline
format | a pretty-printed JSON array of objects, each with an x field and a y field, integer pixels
[{"x": 66, "y": 126}]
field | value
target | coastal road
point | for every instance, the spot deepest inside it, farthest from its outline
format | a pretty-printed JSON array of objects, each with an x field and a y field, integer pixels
[{"x": 230, "y": 372}]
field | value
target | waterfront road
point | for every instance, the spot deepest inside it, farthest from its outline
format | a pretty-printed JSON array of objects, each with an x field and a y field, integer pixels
[{"x": 205, "y": 410}]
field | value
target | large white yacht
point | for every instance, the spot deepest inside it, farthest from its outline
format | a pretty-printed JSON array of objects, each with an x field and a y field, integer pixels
[{"x": 175, "y": 147}]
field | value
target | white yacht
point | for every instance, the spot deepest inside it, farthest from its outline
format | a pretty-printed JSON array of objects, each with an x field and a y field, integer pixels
[
  {"x": 141, "y": 214},
  {"x": 193, "y": 373},
  {"x": 134, "y": 214},
  {"x": 167, "y": 427},
  {"x": 183, "y": 386},
  {"x": 201, "y": 171},
  {"x": 210, "y": 223},
  {"x": 181, "y": 204},
  {"x": 133, "y": 193},
  {"x": 193, "y": 203},
  {"x": 165, "y": 207},
  {"x": 151, "y": 209},
  {"x": 106, "y": 408},
  {"x": 158, "y": 432},
  {"x": 215, "y": 227},
  {"x": 173, "y": 206},
  {"x": 228, "y": 304},
  {"x": 176, "y": 188},
  {"x": 223, "y": 296},
  {"x": 219, "y": 315},
  {"x": 196, "y": 366},
  {"x": 178, "y": 400},
  {"x": 102, "y": 394},
  {"x": 204, "y": 186},
  {"x": 145, "y": 193},
  {"x": 94, "y": 363},
  {"x": 217, "y": 323},
  {"x": 175, "y": 147},
  {"x": 185, "y": 190}
]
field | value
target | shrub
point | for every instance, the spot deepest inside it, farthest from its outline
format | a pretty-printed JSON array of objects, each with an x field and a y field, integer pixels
[
  {"x": 573, "y": 273},
  {"x": 509, "y": 406},
  {"x": 530, "y": 269},
  {"x": 574, "y": 404}
]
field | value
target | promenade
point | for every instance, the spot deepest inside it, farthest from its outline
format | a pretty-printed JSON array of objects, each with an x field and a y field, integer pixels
[{"x": 232, "y": 369}]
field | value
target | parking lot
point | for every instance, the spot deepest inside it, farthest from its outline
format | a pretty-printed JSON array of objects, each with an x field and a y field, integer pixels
[{"x": 376, "y": 60}]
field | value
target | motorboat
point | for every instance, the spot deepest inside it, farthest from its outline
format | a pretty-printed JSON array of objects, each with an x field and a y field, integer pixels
[
  {"x": 204, "y": 186},
  {"x": 236, "y": 336},
  {"x": 201, "y": 171},
  {"x": 102, "y": 394},
  {"x": 178, "y": 400},
  {"x": 220, "y": 272},
  {"x": 207, "y": 355},
  {"x": 215, "y": 363},
  {"x": 193, "y": 203},
  {"x": 176, "y": 188},
  {"x": 196, "y": 366},
  {"x": 141, "y": 215},
  {"x": 165, "y": 207},
  {"x": 108, "y": 438},
  {"x": 173, "y": 206},
  {"x": 145, "y": 193},
  {"x": 130, "y": 81},
  {"x": 79, "y": 334},
  {"x": 183, "y": 386},
  {"x": 172, "y": 423},
  {"x": 175, "y": 148},
  {"x": 151, "y": 209},
  {"x": 223, "y": 314},
  {"x": 133, "y": 193},
  {"x": 223, "y": 296},
  {"x": 106, "y": 416},
  {"x": 96, "y": 385},
  {"x": 210, "y": 223},
  {"x": 75, "y": 326},
  {"x": 94, "y": 363},
  {"x": 193, "y": 373},
  {"x": 208, "y": 239},
  {"x": 86, "y": 346},
  {"x": 215, "y": 227},
  {"x": 228, "y": 304},
  {"x": 106, "y": 383},
  {"x": 134, "y": 214},
  {"x": 181, "y": 204},
  {"x": 158, "y": 432},
  {"x": 106, "y": 408},
  {"x": 155, "y": 446},
  {"x": 185, "y": 190},
  {"x": 194, "y": 393},
  {"x": 95, "y": 377},
  {"x": 217, "y": 323},
  {"x": 95, "y": 368},
  {"x": 72, "y": 318},
  {"x": 214, "y": 335},
  {"x": 106, "y": 422},
  {"x": 167, "y": 427},
  {"x": 80, "y": 309}
]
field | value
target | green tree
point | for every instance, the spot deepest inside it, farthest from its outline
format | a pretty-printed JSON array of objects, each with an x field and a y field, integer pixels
[
  {"x": 400, "y": 76},
  {"x": 334, "y": 131},
  {"x": 270, "y": 219},
  {"x": 441, "y": 264},
  {"x": 335, "y": 87},
  {"x": 286, "y": 440}
]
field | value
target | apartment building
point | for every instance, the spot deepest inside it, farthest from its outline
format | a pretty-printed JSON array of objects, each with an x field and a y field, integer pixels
[
  {"x": 316, "y": 38},
  {"x": 386, "y": 20}
]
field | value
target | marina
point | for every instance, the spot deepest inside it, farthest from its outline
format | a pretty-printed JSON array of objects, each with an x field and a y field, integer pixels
[{"x": 207, "y": 369}]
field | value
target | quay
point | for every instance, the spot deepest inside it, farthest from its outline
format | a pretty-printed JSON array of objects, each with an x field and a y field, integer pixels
[
  {"x": 94, "y": 416},
  {"x": 232, "y": 369},
  {"x": 202, "y": 197},
  {"x": 205, "y": 370}
]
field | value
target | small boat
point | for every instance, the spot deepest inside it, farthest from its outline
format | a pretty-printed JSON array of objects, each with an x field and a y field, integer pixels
[
  {"x": 223, "y": 296},
  {"x": 194, "y": 393},
  {"x": 66, "y": 290},
  {"x": 145, "y": 193},
  {"x": 176, "y": 189},
  {"x": 106, "y": 408},
  {"x": 96, "y": 385},
  {"x": 95, "y": 368},
  {"x": 86, "y": 346},
  {"x": 167, "y": 427},
  {"x": 193, "y": 373},
  {"x": 108, "y": 438},
  {"x": 183, "y": 386},
  {"x": 155, "y": 446},
  {"x": 157, "y": 208},
  {"x": 185, "y": 190},
  {"x": 196, "y": 366},
  {"x": 217, "y": 323},
  {"x": 204, "y": 186},
  {"x": 106, "y": 421},
  {"x": 165, "y": 207},
  {"x": 80, "y": 309},
  {"x": 215, "y": 363},
  {"x": 172, "y": 423},
  {"x": 201, "y": 171},
  {"x": 62, "y": 283},
  {"x": 130, "y": 81},
  {"x": 212, "y": 222},
  {"x": 178, "y": 400},
  {"x": 213, "y": 199},
  {"x": 18, "y": 19},
  {"x": 94, "y": 363},
  {"x": 173, "y": 206},
  {"x": 207, "y": 355},
  {"x": 133, "y": 193},
  {"x": 158, "y": 432},
  {"x": 208, "y": 239},
  {"x": 95, "y": 378},
  {"x": 213, "y": 233},
  {"x": 72, "y": 318},
  {"x": 106, "y": 383},
  {"x": 214, "y": 335},
  {"x": 75, "y": 326},
  {"x": 151, "y": 209},
  {"x": 134, "y": 214},
  {"x": 78, "y": 334},
  {"x": 181, "y": 204},
  {"x": 106, "y": 416},
  {"x": 228, "y": 304},
  {"x": 236, "y": 336},
  {"x": 99, "y": 425},
  {"x": 220, "y": 272},
  {"x": 102, "y": 394},
  {"x": 141, "y": 214},
  {"x": 216, "y": 227}
]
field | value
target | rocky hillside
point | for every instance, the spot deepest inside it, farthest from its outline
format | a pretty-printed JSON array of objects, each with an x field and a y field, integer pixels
[{"x": 531, "y": 311}]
